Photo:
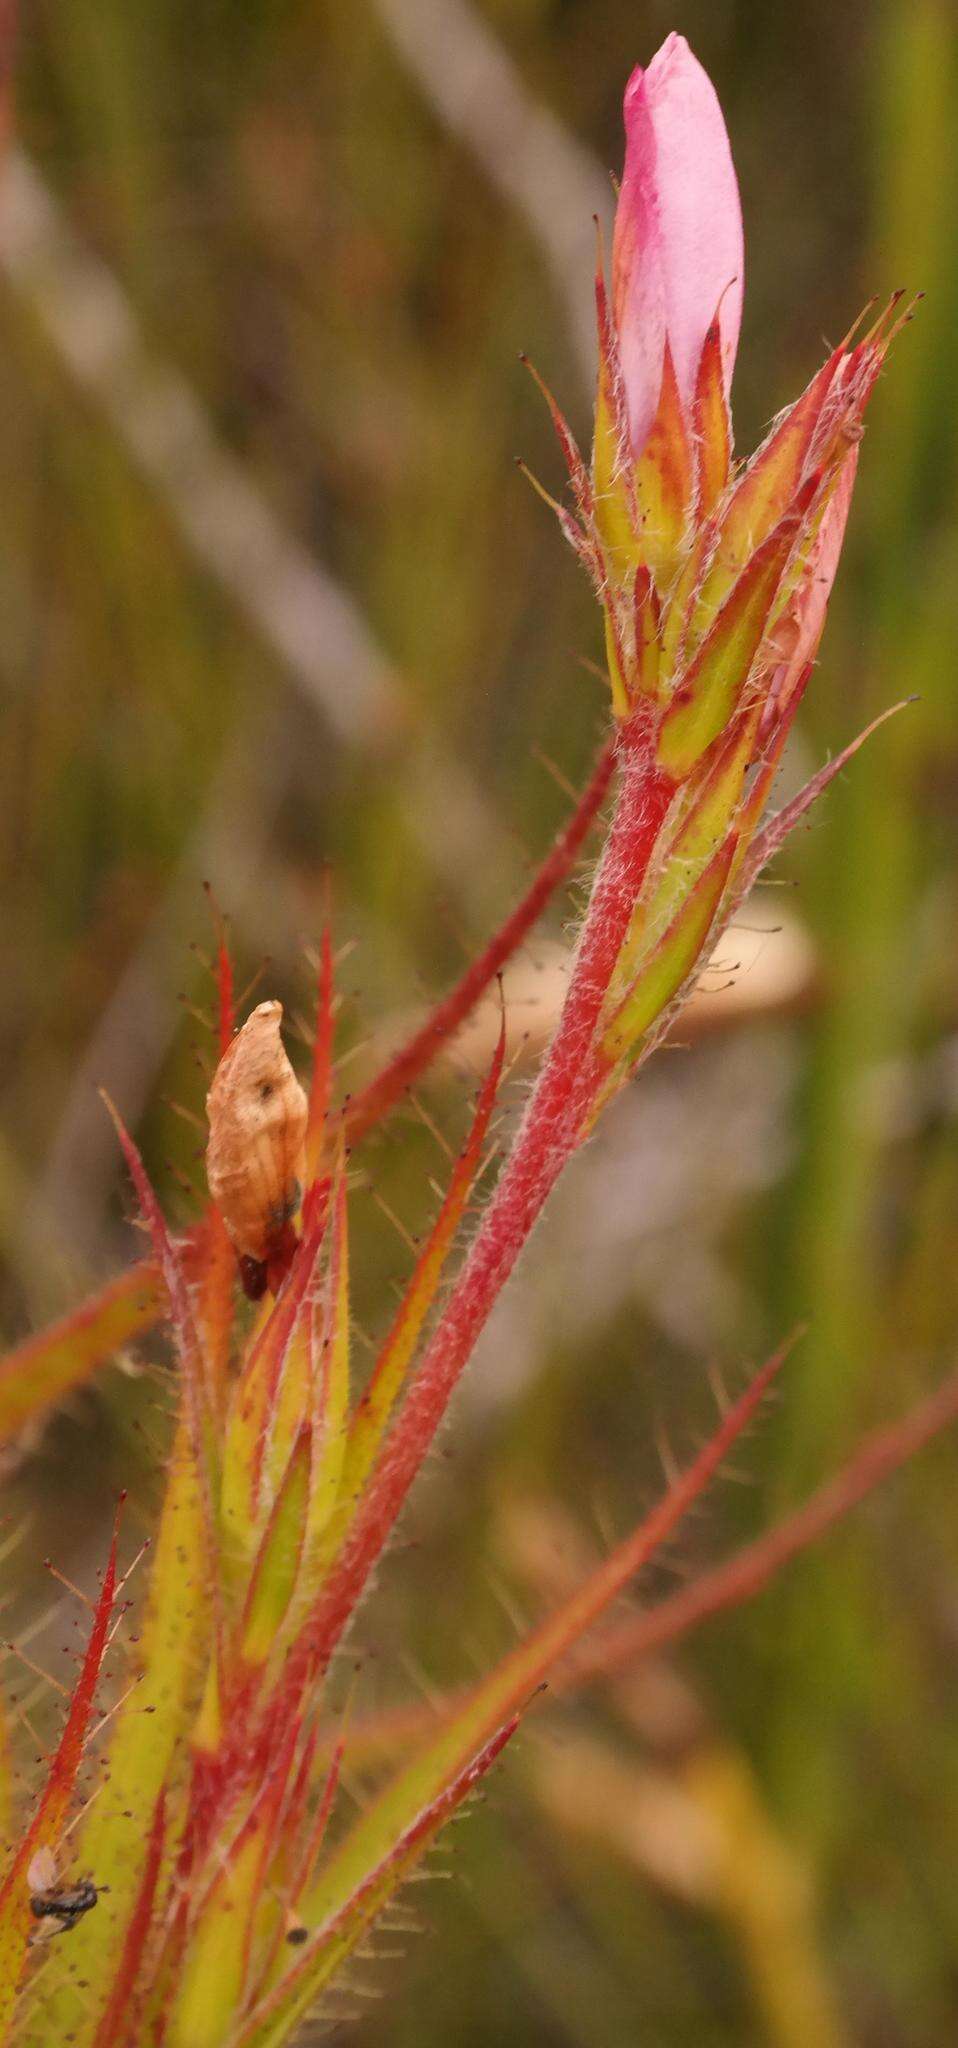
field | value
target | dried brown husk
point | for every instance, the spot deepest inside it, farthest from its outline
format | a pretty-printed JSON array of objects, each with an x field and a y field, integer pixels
[{"x": 257, "y": 1121}]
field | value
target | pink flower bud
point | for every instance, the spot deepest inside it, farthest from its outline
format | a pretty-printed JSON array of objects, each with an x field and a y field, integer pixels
[{"x": 678, "y": 254}]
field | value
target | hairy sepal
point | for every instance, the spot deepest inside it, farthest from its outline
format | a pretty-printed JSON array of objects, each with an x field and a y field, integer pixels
[
  {"x": 717, "y": 676},
  {"x": 670, "y": 962},
  {"x": 711, "y": 425},
  {"x": 664, "y": 482},
  {"x": 698, "y": 823}
]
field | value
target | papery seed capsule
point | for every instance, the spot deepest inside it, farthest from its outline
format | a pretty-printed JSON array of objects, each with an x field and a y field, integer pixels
[{"x": 254, "y": 1158}]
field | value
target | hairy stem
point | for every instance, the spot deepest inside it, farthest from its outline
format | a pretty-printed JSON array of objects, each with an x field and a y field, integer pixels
[{"x": 549, "y": 1133}]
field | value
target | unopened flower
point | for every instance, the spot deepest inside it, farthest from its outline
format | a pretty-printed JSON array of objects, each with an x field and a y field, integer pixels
[
  {"x": 714, "y": 579},
  {"x": 678, "y": 255}
]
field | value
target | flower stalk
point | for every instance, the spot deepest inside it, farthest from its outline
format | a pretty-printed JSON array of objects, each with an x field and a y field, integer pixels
[{"x": 285, "y": 1482}]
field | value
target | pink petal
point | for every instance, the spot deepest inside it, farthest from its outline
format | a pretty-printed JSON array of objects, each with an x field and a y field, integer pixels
[
  {"x": 638, "y": 283},
  {"x": 678, "y": 254}
]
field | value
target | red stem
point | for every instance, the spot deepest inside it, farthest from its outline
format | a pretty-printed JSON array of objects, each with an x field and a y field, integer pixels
[
  {"x": 361, "y": 1111},
  {"x": 747, "y": 1572},
  {"x": 548, "y": 1135}
]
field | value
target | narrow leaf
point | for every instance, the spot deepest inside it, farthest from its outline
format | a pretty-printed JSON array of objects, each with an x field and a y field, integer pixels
[
  {"x": 119, "y": 2014},
  {"x": 578, "y": 474},
  {"x": 196, "y": 1389},
  {"x": 341, "y": 1927},
  {"x": 295, "y": 1864},
  {"x": 332, "y": 1403},
  {"x": 48, "y": 1821},
  {"x": 43, "y": 1369},
  {"x": 213, "y": 1300},
  {"x": 226, "y": 1004},
  {"x": 322, "y": 1071},
  {"x": 219, "y": 1944},
  {"x": 277, "y": 1562},
  {"x": 435, "y": 1774},
  {"x": 372, "y": 1415},
  {"x": 748, "y": 1571},
  {"x": 149, "y": 1724},
  {"x": 775, "y": 833},
  {"x": 244, "y": 1502},
  {"x": 381, "y": 1094}
]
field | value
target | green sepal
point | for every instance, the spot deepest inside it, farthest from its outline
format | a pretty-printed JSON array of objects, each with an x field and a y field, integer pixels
[
  {"x": 715, "y": 679},
  {"x": 671, "y": 962}
]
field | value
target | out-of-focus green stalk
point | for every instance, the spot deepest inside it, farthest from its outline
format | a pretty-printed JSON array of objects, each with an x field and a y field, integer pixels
[{"x": 871, "y": 860}]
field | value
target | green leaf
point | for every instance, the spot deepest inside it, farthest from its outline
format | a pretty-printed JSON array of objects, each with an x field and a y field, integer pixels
[
  {"x": 41, "y": 1370},
  {"x": 371, "y": 1420},
  {"x": 277, "y": 1565},
  {"x": 391, "y": 1835},
  {"x": 353, "y": 1908},
  {"x": 225, "y": 1920},
  {"x": 47, "y": 1826},
  {"x": 147, "y": 1729}
]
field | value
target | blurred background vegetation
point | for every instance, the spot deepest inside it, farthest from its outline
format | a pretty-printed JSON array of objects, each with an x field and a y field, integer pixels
[{"x": 276, "y": 605}]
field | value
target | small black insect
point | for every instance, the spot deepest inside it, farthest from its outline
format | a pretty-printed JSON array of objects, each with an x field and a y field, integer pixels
[
  {"x": 66, "y": 1902},
  {"x": 53, "y": 1900}
]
